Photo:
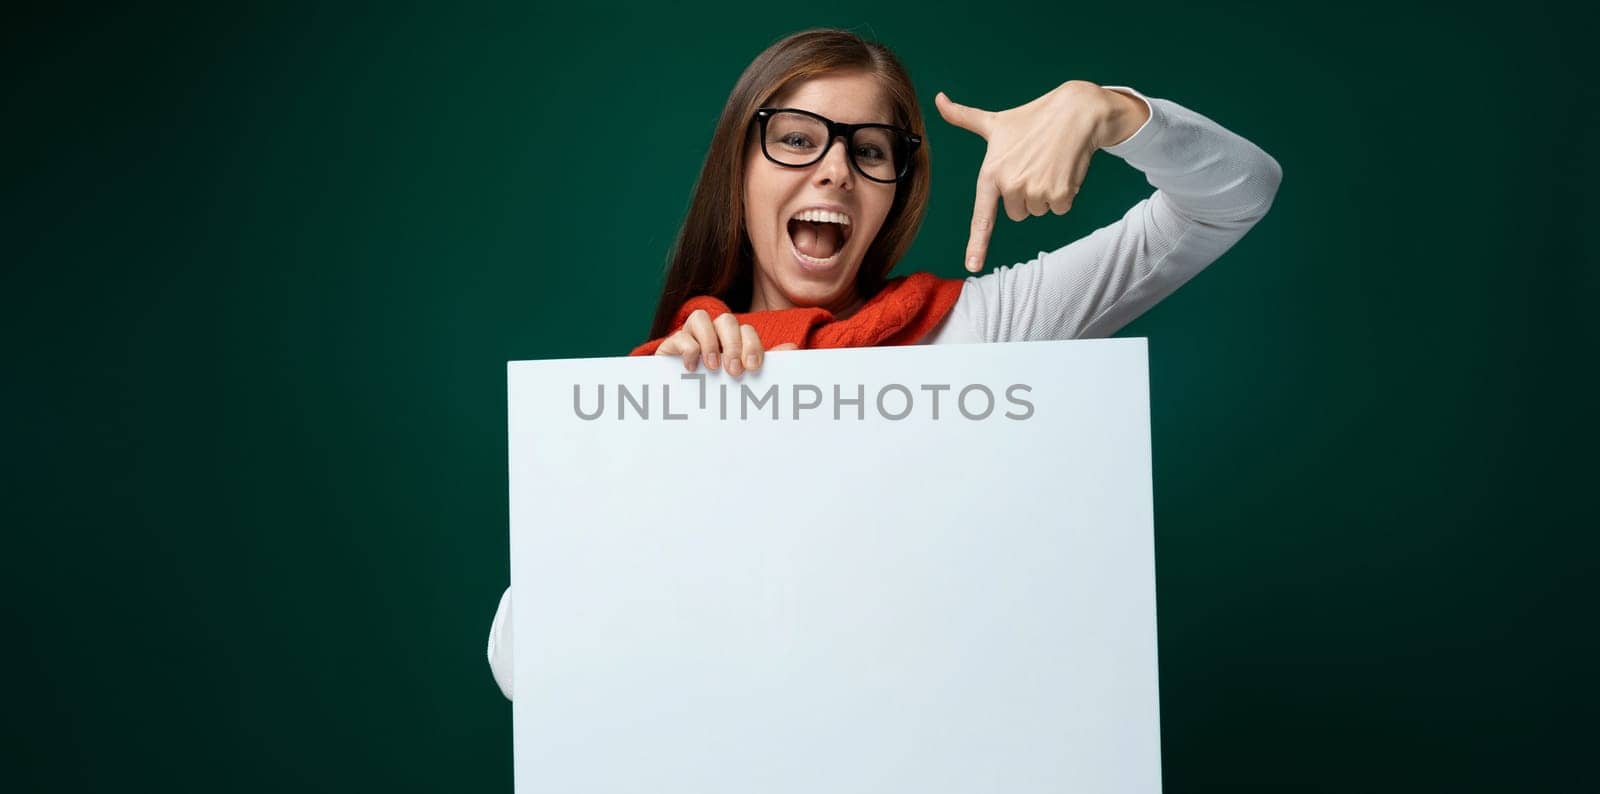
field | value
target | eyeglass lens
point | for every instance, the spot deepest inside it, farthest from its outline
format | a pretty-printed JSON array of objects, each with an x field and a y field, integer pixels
[{"x": 797, "y": 139}]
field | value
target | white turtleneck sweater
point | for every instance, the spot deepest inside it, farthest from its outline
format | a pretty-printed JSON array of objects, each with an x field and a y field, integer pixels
[{"x": 1211, "y": 186}]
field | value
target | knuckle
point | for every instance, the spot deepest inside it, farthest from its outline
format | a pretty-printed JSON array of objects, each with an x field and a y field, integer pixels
[{"x": 1078, "y": 87}]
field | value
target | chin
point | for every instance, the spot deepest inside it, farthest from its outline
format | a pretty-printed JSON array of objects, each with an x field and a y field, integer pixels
[{"x": 806, "y": 288}]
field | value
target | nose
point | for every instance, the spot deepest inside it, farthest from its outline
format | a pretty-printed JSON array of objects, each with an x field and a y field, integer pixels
[{"x": 835, "y": 165}]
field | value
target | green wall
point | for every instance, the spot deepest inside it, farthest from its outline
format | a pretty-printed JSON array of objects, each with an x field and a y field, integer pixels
[{"x": 262, "y": 270}]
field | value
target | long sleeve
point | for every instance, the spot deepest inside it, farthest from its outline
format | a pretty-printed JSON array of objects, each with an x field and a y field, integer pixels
[
  {"x": 1211, "y": 185},
  {"x": 500, "y": 644}
]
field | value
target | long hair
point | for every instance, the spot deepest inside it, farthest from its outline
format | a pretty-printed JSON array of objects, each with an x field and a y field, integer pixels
[{"x": 713, "y": 255}]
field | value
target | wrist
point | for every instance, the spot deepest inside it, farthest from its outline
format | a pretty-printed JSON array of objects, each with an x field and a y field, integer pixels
[{"x": 1125, "y": 114}]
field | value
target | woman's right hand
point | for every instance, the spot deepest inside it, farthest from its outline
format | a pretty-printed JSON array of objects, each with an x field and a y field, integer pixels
[{"x": 722, "y": 341}]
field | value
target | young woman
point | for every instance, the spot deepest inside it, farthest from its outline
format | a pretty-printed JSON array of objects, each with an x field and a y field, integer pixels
[{"x": 790, "y": 238}]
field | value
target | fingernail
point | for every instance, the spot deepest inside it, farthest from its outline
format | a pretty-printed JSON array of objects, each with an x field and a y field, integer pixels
[
  {"x": 711, "y": 361},
  {"x": 750, "y": 362}
]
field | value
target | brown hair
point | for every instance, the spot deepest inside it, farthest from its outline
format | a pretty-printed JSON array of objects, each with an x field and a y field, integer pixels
[{"x": 712, "y": 255}]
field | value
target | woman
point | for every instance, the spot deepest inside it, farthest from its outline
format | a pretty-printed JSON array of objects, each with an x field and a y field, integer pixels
[{"x": 789, "y": 238}]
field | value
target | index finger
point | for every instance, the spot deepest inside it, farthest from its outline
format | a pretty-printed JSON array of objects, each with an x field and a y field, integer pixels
[
  {"x": 681, "y": 344},
  {"x": 982, "y": 222}
]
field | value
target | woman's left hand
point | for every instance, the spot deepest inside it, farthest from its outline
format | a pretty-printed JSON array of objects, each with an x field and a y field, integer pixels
[{"x": 1039, "y": 152}]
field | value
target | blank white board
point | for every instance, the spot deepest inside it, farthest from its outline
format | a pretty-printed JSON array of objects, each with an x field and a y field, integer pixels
[{"x": 765, "y": 584}]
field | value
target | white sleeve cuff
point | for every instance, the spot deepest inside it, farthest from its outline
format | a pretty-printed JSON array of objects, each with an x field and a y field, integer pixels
[{"x": 500, "y": 646}]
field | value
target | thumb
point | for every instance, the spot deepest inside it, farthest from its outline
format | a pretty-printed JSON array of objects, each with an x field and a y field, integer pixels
[{"x": 967, "y": 118}]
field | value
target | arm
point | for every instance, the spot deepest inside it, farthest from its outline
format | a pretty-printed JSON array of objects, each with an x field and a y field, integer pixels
[
  {"x": 1211, "y": 185},
  {"x": 500, "y": 644}
]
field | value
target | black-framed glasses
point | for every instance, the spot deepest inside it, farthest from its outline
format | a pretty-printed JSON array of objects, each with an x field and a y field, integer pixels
[{"x": 798, "y": 138}]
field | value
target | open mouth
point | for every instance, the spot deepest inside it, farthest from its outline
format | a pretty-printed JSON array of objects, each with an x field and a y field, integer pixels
[{"x": 818, "y": 236}]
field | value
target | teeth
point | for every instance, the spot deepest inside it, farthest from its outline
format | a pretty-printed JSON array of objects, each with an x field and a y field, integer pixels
[
  {"x": 813, "y": 260},
  {"x": 823, "y": 216}
]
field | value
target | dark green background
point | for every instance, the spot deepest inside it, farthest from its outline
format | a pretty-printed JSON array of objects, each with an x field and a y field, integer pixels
[{"x": 263, "y": 269}]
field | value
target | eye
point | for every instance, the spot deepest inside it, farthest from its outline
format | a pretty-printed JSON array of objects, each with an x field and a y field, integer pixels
[
  {"x": 796, "y": 140},
  {"x": 871, "y": 153}
]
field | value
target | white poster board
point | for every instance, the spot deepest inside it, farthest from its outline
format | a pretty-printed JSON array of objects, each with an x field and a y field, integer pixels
[{"x": 770, "y": 587}]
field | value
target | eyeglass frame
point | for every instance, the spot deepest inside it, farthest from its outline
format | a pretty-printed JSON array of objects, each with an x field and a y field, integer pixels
[{"x": 837, "y": 130}]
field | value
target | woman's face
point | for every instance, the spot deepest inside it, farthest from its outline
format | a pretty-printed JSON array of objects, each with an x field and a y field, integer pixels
[{"x": 774, "y": 194}]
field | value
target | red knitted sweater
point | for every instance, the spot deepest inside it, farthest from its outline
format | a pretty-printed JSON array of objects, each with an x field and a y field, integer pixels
[{"x": 903, "y": 312}]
